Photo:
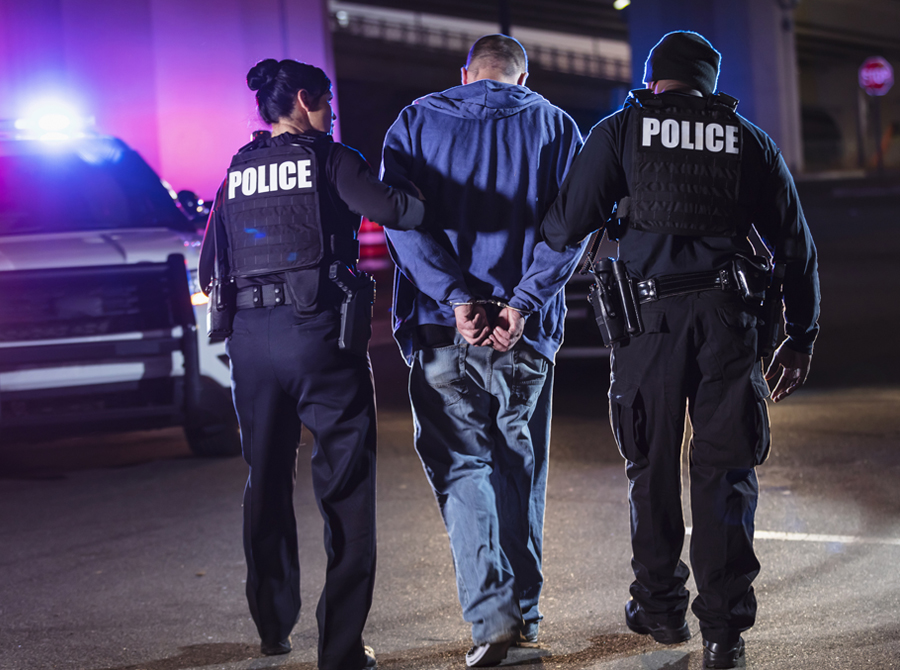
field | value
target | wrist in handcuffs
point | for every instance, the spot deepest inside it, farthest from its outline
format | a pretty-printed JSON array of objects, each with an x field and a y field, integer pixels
[{"x": 491, "y": 301}]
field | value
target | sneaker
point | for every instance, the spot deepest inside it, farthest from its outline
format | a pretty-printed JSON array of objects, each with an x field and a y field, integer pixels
[
  {"x": 487, "y": 654},
  {"x": 370, "y": 658},
  {"x": 638, "y": 621}
]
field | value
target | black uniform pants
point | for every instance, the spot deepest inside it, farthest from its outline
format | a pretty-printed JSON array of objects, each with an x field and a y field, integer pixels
[
  {"x": 698, "y": 351},
  {"x": 287, "y": 370}
]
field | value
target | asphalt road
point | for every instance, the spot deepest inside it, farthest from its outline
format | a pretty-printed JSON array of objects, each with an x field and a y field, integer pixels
[{"x": 122, "y": 552}]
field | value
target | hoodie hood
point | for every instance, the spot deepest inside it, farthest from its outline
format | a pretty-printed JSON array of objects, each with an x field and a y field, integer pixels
[{"x": 483, "y": 99}]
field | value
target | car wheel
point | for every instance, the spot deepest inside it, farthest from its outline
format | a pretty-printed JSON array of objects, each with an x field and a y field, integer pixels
[{"x": 212, "y": 428}]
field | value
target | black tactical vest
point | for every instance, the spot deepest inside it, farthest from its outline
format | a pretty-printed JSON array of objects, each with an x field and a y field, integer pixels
[
  {"x": 686, "y": 165},
  {"x": 272, "y": 209}
]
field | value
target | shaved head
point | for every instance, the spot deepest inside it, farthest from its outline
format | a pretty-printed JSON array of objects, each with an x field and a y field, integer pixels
[{"x": 498, "y": 54}]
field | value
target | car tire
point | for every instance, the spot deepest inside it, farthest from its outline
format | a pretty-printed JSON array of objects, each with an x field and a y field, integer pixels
[{"x": 212, "y": 427}]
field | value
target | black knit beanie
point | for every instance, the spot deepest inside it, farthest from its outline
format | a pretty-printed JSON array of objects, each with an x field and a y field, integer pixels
[{"x": 685, "y": 56}]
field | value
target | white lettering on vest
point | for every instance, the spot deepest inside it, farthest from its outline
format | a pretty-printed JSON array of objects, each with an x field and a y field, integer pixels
[
  {"x": 248, "y": 181},
  {"x": 303, "y": 174},
  {"x": 731, "y": 140},
  {"x": 685, "y": 135},
  {"x": 234, "y": 180},
  {"x": 281, "y": 177},
  {"x": 651, "y": 128},
  {"x": 699, "y": 136},
  {"x": 261, "y": 179},
  {"x": 714, "y": 135},
  {"x": 669, "y": 133},
  {"x": 286, "y": 178}
]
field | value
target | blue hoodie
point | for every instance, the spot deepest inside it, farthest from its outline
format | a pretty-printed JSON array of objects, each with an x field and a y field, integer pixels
[{"x": 489, "y": 158}]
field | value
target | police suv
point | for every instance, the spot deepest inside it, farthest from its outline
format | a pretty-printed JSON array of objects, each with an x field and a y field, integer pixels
[{"x": 98, "y": 296}]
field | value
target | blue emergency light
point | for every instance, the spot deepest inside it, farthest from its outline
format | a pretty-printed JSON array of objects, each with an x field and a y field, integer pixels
[{"x": 49, "y": 122}]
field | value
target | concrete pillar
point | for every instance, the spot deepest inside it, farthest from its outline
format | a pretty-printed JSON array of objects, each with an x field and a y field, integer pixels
[{"x": 759, "y": 61}]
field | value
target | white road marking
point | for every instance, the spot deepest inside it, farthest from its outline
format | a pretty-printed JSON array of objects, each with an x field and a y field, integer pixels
[{"x": 813, "y": 537}]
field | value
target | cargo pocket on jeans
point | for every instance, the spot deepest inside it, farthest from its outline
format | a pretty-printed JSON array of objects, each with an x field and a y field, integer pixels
[
  {"x": 444, "y": 370},
  {"x": 628, "y": 419},
  {"x": 760, "y": 393}
]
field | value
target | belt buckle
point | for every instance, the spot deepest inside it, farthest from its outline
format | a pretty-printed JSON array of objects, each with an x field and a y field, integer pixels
[
  {"x": 647, "y": 291},
  {"x": 726, "y": 280}
]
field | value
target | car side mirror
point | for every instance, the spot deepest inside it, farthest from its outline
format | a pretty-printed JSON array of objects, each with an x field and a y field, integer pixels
[{"x": 195, "y": 209}]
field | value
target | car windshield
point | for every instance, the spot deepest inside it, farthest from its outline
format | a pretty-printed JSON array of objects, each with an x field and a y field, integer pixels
[{"x": 89, "y": 185}]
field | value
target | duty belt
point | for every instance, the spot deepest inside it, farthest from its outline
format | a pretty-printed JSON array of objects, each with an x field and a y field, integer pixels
[
  {"x": 651, "y": 290},
  {"x": 266, "y": 295}
]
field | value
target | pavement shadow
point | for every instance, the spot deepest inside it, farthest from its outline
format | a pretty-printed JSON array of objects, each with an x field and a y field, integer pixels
[
  {"x": 600, "y": 649},
  {"x": 613, "y": 647},
  {"x": 51, "y": 457},
  {"x": 200, "y": 655}
]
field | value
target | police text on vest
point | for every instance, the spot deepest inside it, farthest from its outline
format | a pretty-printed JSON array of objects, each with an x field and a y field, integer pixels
[
  {"x": 696, "y": 135},
  {"x": 286, "y": 176}
]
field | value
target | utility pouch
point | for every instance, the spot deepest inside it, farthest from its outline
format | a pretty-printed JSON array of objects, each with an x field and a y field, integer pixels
[
  {"x": 754, "y": 275},
  {"x": 356, "y": 308},
  {"x": 630, "y": 305},
  {"x": 221, "y": 308},
  {"x": 612, "y": 297}
]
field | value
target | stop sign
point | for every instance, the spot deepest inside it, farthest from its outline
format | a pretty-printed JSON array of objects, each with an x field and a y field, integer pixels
[{"x": 876, "y": 76}]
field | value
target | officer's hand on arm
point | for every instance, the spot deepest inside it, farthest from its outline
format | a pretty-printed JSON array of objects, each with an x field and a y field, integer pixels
[
  {"x": 508, "y": 329},
  {"x": 419, "y": 193},
  {"x": 796, "y": 369},
  {"x": 472, "y": 323}
]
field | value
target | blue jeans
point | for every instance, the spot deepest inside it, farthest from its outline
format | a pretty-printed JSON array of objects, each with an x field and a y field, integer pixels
[{"x": 482, "y": 431}]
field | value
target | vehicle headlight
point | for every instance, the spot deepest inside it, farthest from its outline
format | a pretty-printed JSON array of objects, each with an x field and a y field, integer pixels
[{"x": 197, "y": 295}]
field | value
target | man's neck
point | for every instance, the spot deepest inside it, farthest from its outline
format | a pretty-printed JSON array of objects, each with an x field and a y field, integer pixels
[
  {"x": 673, "y": 86},
  {"x": 492, "y": 75}
]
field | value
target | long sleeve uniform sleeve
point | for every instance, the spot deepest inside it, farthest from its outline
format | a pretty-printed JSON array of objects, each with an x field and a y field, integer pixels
[
  {"x": 359, "y": 187},
  {"x": 591, "y": 188},
  {"x": 781, "y": 219},
  {"x": 214, "y": 228}
]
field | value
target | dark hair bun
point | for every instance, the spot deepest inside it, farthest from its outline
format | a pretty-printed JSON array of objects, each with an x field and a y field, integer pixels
[
  {"x": 262, "y": 74},
  {"x": 277, "y": 83}
]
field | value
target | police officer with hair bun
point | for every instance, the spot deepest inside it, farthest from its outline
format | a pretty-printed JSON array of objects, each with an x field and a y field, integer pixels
[
  {"x": 680, "y": 178},
  {"x": 282, "y": 235}
]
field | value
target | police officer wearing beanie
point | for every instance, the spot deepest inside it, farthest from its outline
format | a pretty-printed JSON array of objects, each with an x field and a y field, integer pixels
[
  {"x": 284, "y": 221},
  {"x": 678, "y": 178}
]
